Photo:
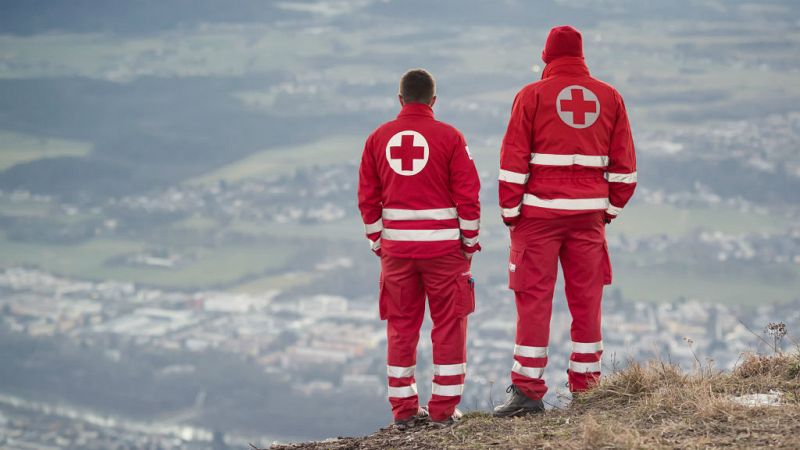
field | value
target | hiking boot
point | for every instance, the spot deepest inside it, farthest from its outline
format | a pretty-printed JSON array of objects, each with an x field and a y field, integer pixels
[
  {"x": 450, "y": 421},
  {"x": 411, "y": 422},
  {"x": 518, "y": 404}
]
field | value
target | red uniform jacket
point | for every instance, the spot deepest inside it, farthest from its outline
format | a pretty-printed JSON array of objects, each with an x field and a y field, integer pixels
[
  {"x": 568, "y": 148},
  {"x": 418, "y": 187}
]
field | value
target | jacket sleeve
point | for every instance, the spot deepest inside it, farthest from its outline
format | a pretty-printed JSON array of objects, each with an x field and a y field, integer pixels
[
  {"x": 515, "y": 155},
  {"x": 465, "y": 186},
  {"x": 621, "y": 173},
  {"x": 370, "y": 194}
]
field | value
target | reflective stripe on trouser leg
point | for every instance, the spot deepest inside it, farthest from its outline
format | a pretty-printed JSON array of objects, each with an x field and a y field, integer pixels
[
  {"x": 401, "y": 382},
  {"x": 585, "y": 364},
  {"x": 447, "y": 387}
]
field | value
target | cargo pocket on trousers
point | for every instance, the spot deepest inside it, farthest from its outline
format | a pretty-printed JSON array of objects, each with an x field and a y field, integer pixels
[
  {"x": 388, "y": 297},
  {"x": 515, "y": 272},
  {"x": 607, "y": 275},
  {"x": 466, "y": 295}
]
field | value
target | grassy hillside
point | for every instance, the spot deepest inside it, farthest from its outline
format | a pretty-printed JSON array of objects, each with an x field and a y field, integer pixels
[
  {"x": 17, "y": 148},
  {"x": 656, "y": 405}
]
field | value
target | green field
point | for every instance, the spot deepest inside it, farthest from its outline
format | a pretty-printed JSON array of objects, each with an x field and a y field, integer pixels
[
  {"x": 207, "y": 266},
  {"x": 285, "y": 160},
  {"x": 640, "y": 220},
  {"x": 284, "y": 281},
  {"x": 659, "y": 284},
  {"x": 16, "y": 148}
]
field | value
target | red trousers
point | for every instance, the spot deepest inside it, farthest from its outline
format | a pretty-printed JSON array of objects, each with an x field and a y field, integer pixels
[
  {"x": 447, "y": 283},
  {"x": 536, "y": 247}
]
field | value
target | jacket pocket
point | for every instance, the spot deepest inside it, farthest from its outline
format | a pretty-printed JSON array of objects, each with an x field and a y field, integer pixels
[
  {"x": 389, "y": 296},
  {"x": 607, "y": 273},
  {"x": 465, "y": 289},
  {"x": 515, "y": 269}
]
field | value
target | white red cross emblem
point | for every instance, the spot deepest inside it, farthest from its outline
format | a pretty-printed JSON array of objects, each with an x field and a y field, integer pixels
[
  {"x": 407, "y": 152},
  {"x": 577, "y": 106}
]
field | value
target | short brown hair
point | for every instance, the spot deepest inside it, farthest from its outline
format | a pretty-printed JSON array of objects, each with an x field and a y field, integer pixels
[{"x": 417, "y": 86}]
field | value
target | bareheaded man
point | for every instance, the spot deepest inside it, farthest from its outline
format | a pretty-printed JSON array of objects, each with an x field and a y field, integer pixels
[
  {"x": 418, "y": 196},
  {"x": 567, "y": 168}
]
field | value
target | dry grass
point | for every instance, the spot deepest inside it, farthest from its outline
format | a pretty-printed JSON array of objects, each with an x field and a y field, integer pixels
[{"x": 656, "y": 405}]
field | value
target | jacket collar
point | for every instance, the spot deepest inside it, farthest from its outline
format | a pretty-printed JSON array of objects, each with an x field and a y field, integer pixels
[
  {"x": 416, "y": 109},
  {"x": 566, "y": 65}
]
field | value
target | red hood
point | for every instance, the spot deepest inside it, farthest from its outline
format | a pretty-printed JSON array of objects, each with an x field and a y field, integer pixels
[
  {"x": 566, "y": 65},
  {"x": 562, "y": 41}
]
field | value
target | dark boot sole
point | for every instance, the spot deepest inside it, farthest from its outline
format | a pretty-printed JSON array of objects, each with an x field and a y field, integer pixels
[{"x": 518, "y": 413}]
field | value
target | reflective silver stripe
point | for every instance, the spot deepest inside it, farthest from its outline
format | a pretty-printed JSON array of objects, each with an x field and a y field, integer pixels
[
  {"x": 581, "y": 367},
  {"x": 566, "y": 203},
  {"x": 447, "y": 390},
  {"x": 448, "y": 234},
  {"x": 400, "y": 372},
  {"x": 469, "y": 242},
  {"x": 511, "y": 212},
  {"x": 449, "y": 369},
  {"x": 373, "y": 227},
  {"x": 587, "y": 347},
  {"x": 530, "y": 372},
  {"x": 549, "y": 159},
  {"x": 530, "y": 352},
  {"x": 513, "y": 177},
  {"x": 472, "y": 225},
  {"x": 374, "y": 245},
  {"x": 613, "y": 210},
  {"x": 419, "y": 214},
  {"x": 403, "y": 391},
  {"x": 621, "y": 177}
]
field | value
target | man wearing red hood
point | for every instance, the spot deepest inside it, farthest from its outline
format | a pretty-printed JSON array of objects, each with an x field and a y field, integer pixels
[{"x": 567, "y": 168}]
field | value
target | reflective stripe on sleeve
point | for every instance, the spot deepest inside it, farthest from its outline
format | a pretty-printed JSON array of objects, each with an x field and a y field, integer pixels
[
  {"x": 447, "y": 390},
  {"x": 613, "y": 210},
  {"x": 513, "y": 177},
  {"x": 470, "y": 242},
  {"x": 530, "y": 352},
  {"x": 472, "y": 225},
  {"x": 403, "y": 391},
  {"x": 582, "y": 367},
  {"x": 419, "y": 214},
  {"x": 572, "y": 204},
  {"x": 400, "y": 372},
  {"x": 449, "y": 369},
  {"x": 621, "y": 177},
  {"x": 447, "y": 234},
  {"x": 549, "y": 159},
  {"x": 374, "y": 245},
  {"x": 530, "y": 372},
  {"x": 511, "y": 212},
  {"x": 587, "y": 347},
  {"x": 373, "y": 227}
]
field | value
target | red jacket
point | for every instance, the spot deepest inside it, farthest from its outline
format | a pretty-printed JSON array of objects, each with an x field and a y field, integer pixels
[
  {"x": 418, "y": 187},
  {"x": 568, "y": 148}
]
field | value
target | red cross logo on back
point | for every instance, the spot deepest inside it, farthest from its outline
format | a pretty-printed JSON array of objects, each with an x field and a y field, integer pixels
[
  {"x": 407, "y": 152},
  {"x": 577, "y": 106}
]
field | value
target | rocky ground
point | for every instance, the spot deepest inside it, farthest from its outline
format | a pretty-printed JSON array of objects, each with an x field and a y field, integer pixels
[{"x": 656, "y": 405}]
